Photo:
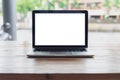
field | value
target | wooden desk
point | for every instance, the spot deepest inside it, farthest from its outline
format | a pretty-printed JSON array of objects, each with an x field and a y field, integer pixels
[{"x": 14, "y": 65}]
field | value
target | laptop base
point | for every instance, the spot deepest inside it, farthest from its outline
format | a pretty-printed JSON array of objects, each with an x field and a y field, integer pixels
[{"x": 44, "y": 54}]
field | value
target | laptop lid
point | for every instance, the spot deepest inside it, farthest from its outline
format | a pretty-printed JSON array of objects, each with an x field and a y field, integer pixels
[{"x": 59, "y": 29}]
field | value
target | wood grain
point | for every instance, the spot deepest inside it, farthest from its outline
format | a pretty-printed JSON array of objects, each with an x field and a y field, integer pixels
[
  {"x": 22, "y": 77},
  {"x": 85, "y": 77},
  {"x": 106, "y": 61}
]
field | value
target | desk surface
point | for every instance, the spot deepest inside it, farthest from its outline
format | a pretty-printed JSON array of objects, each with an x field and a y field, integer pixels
[{"x": 105, "y": 47}]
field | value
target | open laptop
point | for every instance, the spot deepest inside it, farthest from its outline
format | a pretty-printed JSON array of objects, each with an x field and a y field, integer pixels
[{"x": 59, "y": 33}]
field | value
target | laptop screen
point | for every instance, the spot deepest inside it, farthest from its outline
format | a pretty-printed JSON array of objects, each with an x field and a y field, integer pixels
[{"x": 60, "y": 28}]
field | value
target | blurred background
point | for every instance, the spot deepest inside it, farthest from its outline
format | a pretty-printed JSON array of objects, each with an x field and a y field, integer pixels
[
  {"x": 101, "y": 12},
  {"x": 104, "y": 15}
]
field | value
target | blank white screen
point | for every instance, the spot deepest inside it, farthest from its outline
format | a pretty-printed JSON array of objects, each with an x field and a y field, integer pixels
[{"x": 60, "y": 29}]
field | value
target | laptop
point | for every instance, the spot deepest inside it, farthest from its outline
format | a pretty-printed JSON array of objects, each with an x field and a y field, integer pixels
[{"x": 59, "y": 33}]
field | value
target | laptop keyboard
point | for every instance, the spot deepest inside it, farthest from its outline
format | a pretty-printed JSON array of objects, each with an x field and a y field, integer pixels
[
  {"x": 65, "y": 53},
  {"x": 55, "y": 54}
]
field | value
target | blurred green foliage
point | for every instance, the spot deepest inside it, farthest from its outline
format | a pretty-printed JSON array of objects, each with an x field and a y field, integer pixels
[
  {"x": 24, "y": 6},
  {"x": 116, "y": 3},
  {"x": 76, "y": 4},
  {"x": 107, "y": 3}
]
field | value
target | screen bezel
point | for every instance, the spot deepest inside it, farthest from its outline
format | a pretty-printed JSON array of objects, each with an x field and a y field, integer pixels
[{"x": 55, "y": 47}]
